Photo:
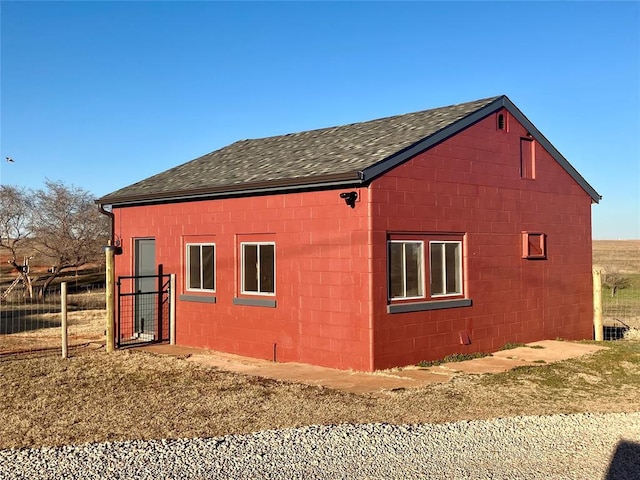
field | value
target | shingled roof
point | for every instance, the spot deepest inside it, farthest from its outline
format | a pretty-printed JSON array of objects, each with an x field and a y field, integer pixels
[{"x": 347, "y": 155}]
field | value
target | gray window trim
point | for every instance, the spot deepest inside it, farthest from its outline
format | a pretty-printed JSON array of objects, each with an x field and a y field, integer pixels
[
  {"x": 255, "y": 302},
  {"x": 426, "y": 306},
  {"x": 198, "y": 298}
]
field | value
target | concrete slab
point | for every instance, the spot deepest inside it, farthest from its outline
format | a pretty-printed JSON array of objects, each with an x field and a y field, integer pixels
[
  {"x": 547, "y": 351},
  {"x": 483, "y": 365}
]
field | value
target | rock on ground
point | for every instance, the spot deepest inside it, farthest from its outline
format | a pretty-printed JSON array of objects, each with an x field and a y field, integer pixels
[{"x": 583, "y": 446}]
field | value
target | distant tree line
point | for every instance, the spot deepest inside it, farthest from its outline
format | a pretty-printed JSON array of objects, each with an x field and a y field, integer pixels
[{"x": 58, "y": 223}]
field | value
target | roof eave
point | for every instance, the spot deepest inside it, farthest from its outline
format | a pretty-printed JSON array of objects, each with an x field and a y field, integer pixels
[{"x": 348, "y": 179}]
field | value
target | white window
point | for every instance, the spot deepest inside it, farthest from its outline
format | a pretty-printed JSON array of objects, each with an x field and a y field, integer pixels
[
  {"x": 406, "y": 277},
  {"x": 445, "y": 268},
  {"x": 201, "y": 267},
  {"x": 258, "y": 268}
]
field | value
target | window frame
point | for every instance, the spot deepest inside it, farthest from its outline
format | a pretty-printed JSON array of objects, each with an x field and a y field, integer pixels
[
  {"x": 258, "y": 244},
  {"x": 460, "y": 270},
  {"x": 421, "y": 281},
  {"x": 428, "y": 297},
  {"x": 527, "y": 158},
  {"x": 187, "y": 280},
  {"x": 527, "y": 238}
]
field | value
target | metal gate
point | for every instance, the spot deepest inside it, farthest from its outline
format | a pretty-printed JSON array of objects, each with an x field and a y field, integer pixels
[{"x": 143, "y": 309}]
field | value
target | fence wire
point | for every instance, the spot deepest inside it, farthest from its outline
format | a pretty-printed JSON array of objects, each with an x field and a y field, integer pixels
[
  {"x": 619, "y": 264},
  {"x": 34, "y": 324},
  {"x": 143, "y": 316},
  {"x": 621, "y": 311}
]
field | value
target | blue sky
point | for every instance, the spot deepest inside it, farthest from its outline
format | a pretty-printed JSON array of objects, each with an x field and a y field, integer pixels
[{"x": 103, "y": 94}]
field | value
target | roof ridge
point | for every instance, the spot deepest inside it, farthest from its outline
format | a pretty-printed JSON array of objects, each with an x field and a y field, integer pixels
[{"x": 372, "y": 120}]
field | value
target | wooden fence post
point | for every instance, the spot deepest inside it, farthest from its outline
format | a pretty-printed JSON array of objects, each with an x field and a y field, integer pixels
[
  {"x": 110, "y": 300},
  {"x": 63, "y": 313},
  {"x": 597, "y": 306}
]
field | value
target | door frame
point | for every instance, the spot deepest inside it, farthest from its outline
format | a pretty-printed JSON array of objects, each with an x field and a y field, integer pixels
[{"x": 145, "y": 305}]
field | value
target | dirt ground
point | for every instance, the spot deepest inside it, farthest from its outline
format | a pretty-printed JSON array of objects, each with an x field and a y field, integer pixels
[
  {"x": 45, "y": 400},
  {"x": 95, "y": 396}
]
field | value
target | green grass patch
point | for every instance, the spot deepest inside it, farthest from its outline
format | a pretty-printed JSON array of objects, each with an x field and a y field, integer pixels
[
  {"x": 511, "y": 346},
  {"x": 456, "y": 357},
  {"x": 625, "y": 302},
  {"x": 616, "y": 367}
]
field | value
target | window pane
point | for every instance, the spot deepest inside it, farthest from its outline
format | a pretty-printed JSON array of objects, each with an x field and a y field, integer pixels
[
  {"x": 437, "y": 269},
  {"x": 453, "y": 267},
  {"x": 413, "y": 269},
  {"x": 405, "y": 269},
  {"x": 194, "y": 266},
  {"x": 250, "y": 265},
  {"x": 208, "y": 274},
  {"x": 267, "y": 268},
  {"x": 396, "y": 286}
]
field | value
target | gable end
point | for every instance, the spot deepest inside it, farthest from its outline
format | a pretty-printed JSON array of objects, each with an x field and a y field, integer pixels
[{"x": 370, "y": 173}]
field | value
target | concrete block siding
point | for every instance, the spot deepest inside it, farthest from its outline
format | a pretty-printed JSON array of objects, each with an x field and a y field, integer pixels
[
  {"x": 471, "y": 184},
  {"x": 331, "y": 260}
]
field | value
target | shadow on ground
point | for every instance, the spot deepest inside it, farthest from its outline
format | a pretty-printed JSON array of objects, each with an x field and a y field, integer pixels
[{"x": 625, "y": 463}]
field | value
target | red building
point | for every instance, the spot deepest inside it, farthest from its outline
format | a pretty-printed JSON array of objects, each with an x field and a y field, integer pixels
[{"x": 371, "y": 245}]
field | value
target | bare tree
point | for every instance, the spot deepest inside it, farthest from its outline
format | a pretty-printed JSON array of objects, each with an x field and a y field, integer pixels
[
  {"x": 615, "y": 281},
  {"x": 68, "y": 228},
  {"x": 15, "y": 223}
]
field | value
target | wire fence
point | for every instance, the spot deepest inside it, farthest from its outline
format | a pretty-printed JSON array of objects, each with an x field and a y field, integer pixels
[
  {"x": 619, "y": 264},
  {"x": 34, "y": 324},
  {"x": 621, "y": 309}
]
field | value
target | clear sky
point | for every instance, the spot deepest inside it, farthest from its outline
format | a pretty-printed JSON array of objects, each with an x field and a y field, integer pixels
[{"x": 103, "y": 94}]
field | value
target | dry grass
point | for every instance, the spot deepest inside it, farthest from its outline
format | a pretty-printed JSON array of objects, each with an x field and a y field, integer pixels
[
  {"x": 622, "y": 256},
  {"x": 83, "y": 326},
  {"x": 133, "y": 395}
]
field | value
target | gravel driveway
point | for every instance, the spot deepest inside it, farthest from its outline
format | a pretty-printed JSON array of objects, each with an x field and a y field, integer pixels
[{"x": 584, "y": 446}]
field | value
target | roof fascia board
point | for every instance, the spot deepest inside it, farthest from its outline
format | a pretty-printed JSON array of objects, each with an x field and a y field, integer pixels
[
  {"x": 186, "y": 197},
  {"x": 546, "y": 144},
  {"x": 396, "y": 159}
]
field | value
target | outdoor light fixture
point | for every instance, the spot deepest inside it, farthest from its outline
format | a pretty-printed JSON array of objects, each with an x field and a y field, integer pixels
[{"x": 350, "y": 198}]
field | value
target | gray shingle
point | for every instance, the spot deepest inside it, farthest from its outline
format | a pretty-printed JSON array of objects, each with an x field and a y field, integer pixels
[{"x": 297, "y": 158}]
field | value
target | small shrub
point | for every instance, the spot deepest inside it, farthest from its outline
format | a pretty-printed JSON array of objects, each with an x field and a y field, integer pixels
[
  {"x": 511, "y": 346},
  {"x": 456, "y": 357}
]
